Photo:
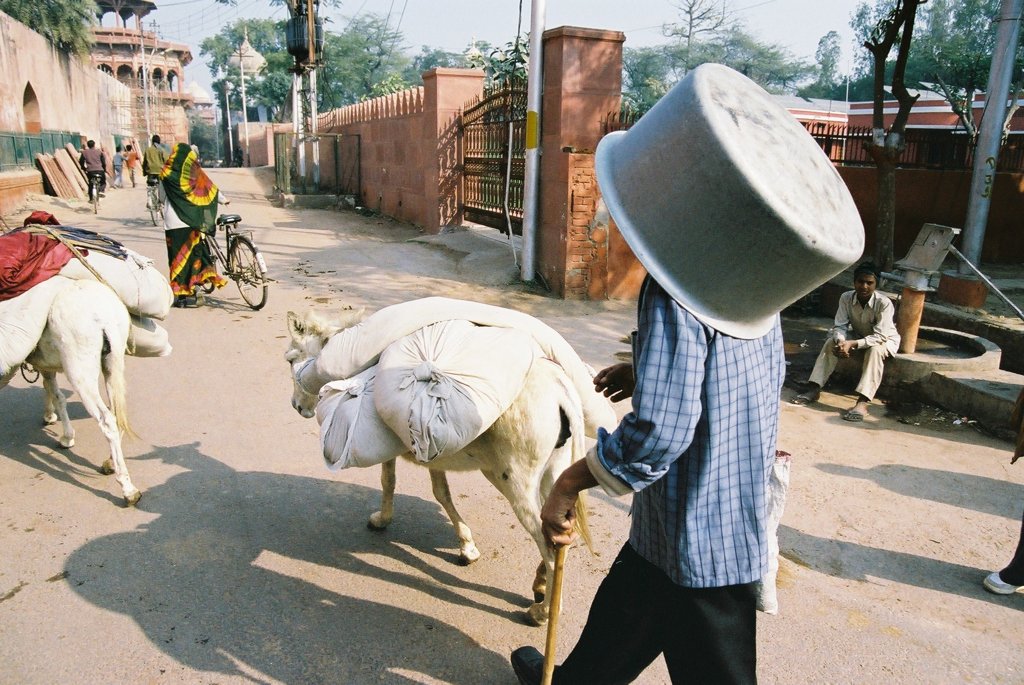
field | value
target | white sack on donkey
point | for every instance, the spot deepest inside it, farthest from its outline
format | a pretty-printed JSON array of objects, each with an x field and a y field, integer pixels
[
  {"x": 358, "y": 347},
  {"x": 441, "y": 387},
  {"x": 351, "y": 431}
]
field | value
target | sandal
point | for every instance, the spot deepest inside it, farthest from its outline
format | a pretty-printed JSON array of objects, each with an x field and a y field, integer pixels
[
  {"x": 853, "y": 416},
  {"x": 803, "y": 400}
]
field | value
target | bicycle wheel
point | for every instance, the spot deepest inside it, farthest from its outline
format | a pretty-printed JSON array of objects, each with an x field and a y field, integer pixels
[
  {"x": 154, "y": 206},
  {"x": 246, "y": 269},
  {"x": 94, "y": 191}
]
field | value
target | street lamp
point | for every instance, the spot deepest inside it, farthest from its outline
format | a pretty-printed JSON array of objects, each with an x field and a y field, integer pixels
[{"x": 246, "y": 59}]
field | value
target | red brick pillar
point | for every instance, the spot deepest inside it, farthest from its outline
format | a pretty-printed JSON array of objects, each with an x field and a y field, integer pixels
[
  {"x": 582, "y": 85},
  {"x": 445, "y": 93}
]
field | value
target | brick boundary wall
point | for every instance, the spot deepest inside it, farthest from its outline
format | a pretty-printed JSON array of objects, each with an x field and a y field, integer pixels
[
  {"x": 410, "y": 168},
  {"x": 587, "y": 239}
]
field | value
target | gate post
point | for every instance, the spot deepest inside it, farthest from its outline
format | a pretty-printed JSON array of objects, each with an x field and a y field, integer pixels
[
  {"x": 445, "y": 91},
  {"x": 582, "y": 85}
]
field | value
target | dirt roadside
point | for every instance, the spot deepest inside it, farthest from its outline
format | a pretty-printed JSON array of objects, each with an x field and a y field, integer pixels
[{"x": 248, "y": 562}]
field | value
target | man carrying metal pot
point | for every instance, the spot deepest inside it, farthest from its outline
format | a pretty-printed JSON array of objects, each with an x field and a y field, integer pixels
[{"x": 735, "y": 213}]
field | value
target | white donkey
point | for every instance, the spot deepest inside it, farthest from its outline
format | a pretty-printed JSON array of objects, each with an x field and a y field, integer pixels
[
  {"x": 87, "y": 331},
  {"x": 521, "y": 454}
]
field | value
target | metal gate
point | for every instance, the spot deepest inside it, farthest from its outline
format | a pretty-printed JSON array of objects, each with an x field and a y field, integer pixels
[
  {"x": 339, "y": 164},
  {"x": 493, "y": 147}
]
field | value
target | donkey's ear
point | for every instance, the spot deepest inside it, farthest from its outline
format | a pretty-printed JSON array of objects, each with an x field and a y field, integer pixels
[{"x": 295, "y": 325}]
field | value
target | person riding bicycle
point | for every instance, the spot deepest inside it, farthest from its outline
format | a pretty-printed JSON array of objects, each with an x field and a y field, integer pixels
[
  {"x": 191, "y": 209},
  {"x": 94, "y": 164},
  {"x": 153, "y": 161}
]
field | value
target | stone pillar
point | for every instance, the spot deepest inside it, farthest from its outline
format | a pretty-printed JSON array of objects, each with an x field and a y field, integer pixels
[
  {"x": 582, "y": 85},
  {"x": 445, "y": 93}
]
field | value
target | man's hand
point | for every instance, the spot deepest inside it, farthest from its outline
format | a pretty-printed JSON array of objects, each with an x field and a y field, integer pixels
[
  {"x": 616, "y": 382},
  {"x": 558, "y": 515},
  {"x": 844, "y": 347}
]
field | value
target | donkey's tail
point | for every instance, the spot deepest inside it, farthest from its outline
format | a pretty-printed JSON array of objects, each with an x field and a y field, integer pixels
[
  {"x": 115, "y": 340},
  {"x": 572, "y": 415}
]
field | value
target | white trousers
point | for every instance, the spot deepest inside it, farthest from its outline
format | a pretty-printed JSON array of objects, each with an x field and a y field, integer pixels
[{"x": 871, "y": 370}]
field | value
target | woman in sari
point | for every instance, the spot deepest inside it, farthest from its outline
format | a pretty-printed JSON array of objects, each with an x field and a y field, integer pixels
[{"x": 190, "y": 210}]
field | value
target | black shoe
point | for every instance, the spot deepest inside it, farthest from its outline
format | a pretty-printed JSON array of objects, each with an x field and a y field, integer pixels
[{"x": 528, "y": 663}]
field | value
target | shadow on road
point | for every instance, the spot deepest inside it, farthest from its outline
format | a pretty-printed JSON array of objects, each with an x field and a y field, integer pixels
[
  {"x": 262, "y": 575},
  {"x": 978, "y": 493},
  {"x": 853, "y": 561}
]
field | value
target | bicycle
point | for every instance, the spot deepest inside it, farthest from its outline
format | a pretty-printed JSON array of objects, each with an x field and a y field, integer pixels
[
  {"x": 95, "y": 179},
  {"x": 154, "y": 200},
  {"x": 242, "y": 262}
]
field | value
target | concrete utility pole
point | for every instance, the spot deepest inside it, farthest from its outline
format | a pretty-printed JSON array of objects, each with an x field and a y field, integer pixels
[
  {"x": 297, "y": 117},
  {"x": 986, "y": 152},
  {"x": 531, "y": 182},
  {"x": 313, "y": 114},
  {"x": 227, "y": 115}
]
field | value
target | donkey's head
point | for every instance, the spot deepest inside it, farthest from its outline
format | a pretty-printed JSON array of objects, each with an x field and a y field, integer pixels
[{"x": 309, "y": 333}]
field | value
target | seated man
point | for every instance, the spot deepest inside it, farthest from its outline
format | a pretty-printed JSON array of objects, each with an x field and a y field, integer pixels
[{"x": 869, "y": 316}]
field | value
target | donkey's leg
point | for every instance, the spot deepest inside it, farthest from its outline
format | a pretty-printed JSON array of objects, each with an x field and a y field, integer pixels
[
  {"x": 468, "y": 553},
  {"x": 379, "y": 520},
  {"x": 82, "y": 371},
  {"x": 520, "y": 489},
  {"x": 56, "y": 408}
]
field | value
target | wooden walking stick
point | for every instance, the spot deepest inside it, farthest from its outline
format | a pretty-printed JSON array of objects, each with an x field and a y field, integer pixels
[{"x": 554, "y": 611}]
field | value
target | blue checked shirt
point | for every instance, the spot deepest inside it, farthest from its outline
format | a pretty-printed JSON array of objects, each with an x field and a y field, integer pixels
[{"x": 697, "y": 448}]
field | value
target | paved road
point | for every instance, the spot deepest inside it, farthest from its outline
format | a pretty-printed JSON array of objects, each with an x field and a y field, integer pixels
[{"x": 248, "y": 562}]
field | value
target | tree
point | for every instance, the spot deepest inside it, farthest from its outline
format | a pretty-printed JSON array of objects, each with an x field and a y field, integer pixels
[
  {"x": 771, "y": 66},
  {"x": 699, "y": 17},
  {"x": 359, "y": 58},
  {"x": 505, "y": 64},
  {"x": 895, "y": 28},
  {"x": 647, "y": 76},
  {"x": 65, "y": 23},
  {"x": 432, "y": 58},
  {"x": 827, "y": 56},
  {"x": 953, "y": 53},
  {"x": 270, "y": 88},
  {"x": 203, "y": 135}
]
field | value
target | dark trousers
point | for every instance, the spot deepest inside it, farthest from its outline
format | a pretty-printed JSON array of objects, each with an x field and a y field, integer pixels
[
  {"x": 101, "y": 181},
  {"x": 708, "y": 635},
  {"x": 1014, "y": 573}
]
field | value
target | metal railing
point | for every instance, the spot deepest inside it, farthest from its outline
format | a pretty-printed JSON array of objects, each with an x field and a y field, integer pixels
[
  {"x": 19, "y": 150},
  {"x": 940, "y": 149},
  {"x": 339, "y": 157}
]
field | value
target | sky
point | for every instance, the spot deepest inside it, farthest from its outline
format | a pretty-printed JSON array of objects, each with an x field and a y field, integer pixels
[{"x": 452, "y": 24}]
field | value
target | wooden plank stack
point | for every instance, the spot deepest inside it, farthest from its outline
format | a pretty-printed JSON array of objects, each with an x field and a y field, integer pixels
[{"x": 63, "y": 175}]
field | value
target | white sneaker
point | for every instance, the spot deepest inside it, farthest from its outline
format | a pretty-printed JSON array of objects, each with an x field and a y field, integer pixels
[{"x": 993, "y": 583}]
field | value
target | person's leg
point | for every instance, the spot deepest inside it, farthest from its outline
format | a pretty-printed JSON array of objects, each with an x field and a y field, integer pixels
[
  {"x": 871, "y": 372},
  {"x": 1013, "y": 574},
  {"x": 824, "y": 365},
  {"x": 624, "y": 632},
  {"x": 713, "y": 637}
]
